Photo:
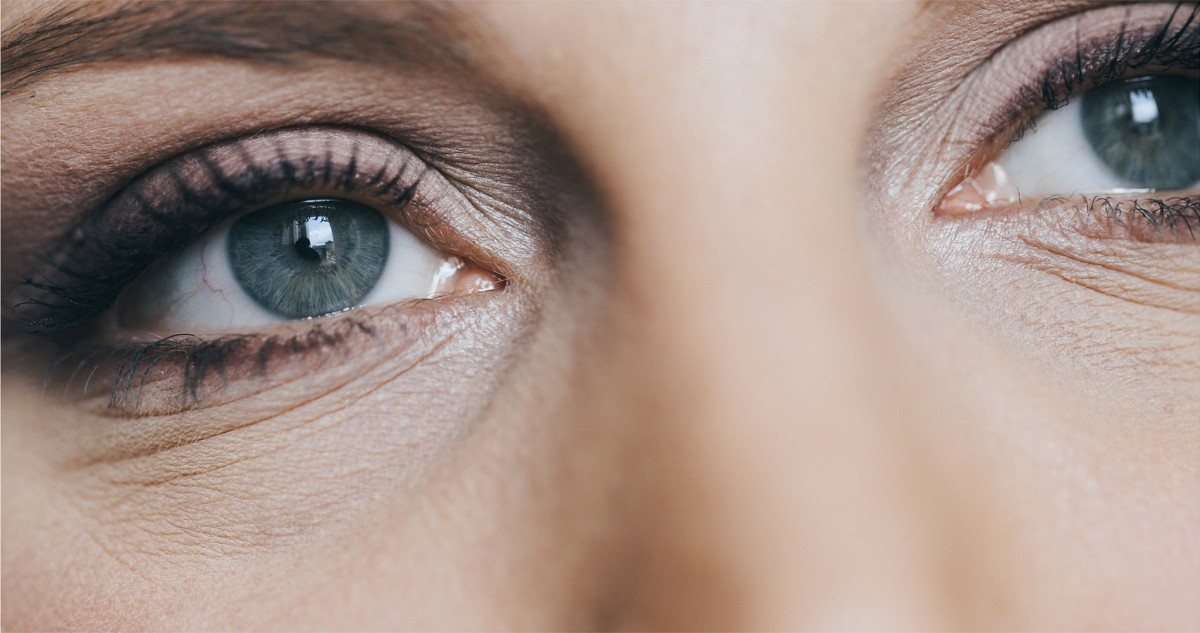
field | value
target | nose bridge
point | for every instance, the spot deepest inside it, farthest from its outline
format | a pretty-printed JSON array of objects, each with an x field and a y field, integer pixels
[{"x": 770, "y": 481}]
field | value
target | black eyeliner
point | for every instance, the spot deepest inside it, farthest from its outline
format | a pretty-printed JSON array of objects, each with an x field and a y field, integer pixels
[
  {"x": 1167, "y": 49},
  {"x": 171, "y": 205}
]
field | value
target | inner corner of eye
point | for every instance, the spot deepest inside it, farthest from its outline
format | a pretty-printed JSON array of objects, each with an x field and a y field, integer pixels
[
  {"x": 983, "y": 188},
  {"x": 456, "y": 276}
]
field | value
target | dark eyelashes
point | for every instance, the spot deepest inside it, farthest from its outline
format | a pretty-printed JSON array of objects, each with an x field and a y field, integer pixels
[
  {"x": 1146, "y": 219},
  {"x": 1109, "y": 44},
  {"x": 175, "y": 203},
  {"x": 1173, "y": 46},
  {"x": 189, "y": 366},
  {"x": 1163, "y": 49}
]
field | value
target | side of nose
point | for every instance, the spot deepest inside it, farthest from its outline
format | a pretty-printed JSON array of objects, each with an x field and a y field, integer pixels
[{"x": 774, "y": 481}]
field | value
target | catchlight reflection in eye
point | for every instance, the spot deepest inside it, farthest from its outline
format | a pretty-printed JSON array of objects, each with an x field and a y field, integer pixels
[
  {"x": 295, "y": 260},
  {"x": 1135, "y": 135},
  {"x": 313, "y": 257}
]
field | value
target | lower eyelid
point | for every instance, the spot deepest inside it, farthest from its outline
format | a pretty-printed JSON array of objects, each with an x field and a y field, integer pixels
[
  {"x": 1134, "y": 217},
  {"x": 1140, "y": 218},
  {"x": 1139, "y": 276},
  {"x": 180, "y": 374}
]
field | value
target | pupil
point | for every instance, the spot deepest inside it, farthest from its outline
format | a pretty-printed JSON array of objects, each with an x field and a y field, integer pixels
[
  {"x": 311, "y": 257},
  {"x": 1146, "y": 130}
]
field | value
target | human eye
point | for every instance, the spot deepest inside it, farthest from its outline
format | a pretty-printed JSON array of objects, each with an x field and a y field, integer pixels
[
  {"x": 297, "y": 224},
  {"x": 1111, "y": 123},
  {"x": 257, "y": 240},
  {"x": 180, "y": 275},
  {"x": 1061, "y": 204},
  {"x": 176, "y": 276},
  {"x": 1132, "y": 136}
]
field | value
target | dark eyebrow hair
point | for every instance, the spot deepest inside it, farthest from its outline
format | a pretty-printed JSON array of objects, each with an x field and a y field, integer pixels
[{"x": 266, "y": 32}]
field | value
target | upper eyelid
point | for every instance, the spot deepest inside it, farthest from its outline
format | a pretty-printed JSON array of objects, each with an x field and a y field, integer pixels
[
  {"x": 439, "y": 98},
  {"x": 968, "y": 129},
  {"x": 968, "y": 35},
  {"x": 1135, "y": 48},
  {"x": 204, "y": 181}
]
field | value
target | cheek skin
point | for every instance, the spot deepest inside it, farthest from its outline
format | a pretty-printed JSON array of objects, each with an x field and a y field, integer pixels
[{"x": 229, "y": 497}]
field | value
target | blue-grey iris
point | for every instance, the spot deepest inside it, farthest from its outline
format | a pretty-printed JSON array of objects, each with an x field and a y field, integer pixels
[
  {"x": 311, "y": 257},
  {"x": 1147, "y": 130}
]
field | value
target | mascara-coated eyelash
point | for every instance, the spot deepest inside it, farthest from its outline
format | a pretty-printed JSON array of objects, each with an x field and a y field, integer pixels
[
  {"x": 1144, "y": 219},
  {"x": 189, "y": 361},
  {"x": 1044, "y": 70},
  {"x": 1174, "y": 45},
  {"x": 175, "y": 203},
  {"x": 1106, "y": 46}
]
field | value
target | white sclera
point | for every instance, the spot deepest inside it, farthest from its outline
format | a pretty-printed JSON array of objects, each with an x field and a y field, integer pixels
[
  {"x": 196, "y": 291},
  {"x": 1057, "y": 159}
]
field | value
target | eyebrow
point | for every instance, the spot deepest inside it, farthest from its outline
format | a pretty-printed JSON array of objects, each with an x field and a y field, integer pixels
[{"x": 280, "y": 33}]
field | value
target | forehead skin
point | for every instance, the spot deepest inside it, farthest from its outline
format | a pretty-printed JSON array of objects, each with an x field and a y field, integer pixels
[{"x": 752, "y": 433}]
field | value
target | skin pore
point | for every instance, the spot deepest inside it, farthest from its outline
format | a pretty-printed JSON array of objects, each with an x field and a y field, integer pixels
[{"x": 739, "y": 375}]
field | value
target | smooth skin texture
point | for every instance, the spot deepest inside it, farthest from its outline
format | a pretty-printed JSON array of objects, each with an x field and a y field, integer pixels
[{"x": 748, "y": 398}]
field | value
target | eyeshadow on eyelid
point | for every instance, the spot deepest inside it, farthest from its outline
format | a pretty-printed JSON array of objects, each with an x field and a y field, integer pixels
[{"x": 180, "y": 200}]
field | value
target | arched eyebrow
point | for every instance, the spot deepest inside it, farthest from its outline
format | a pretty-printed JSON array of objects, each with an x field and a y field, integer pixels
[{"x": 284, "y": 33}]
